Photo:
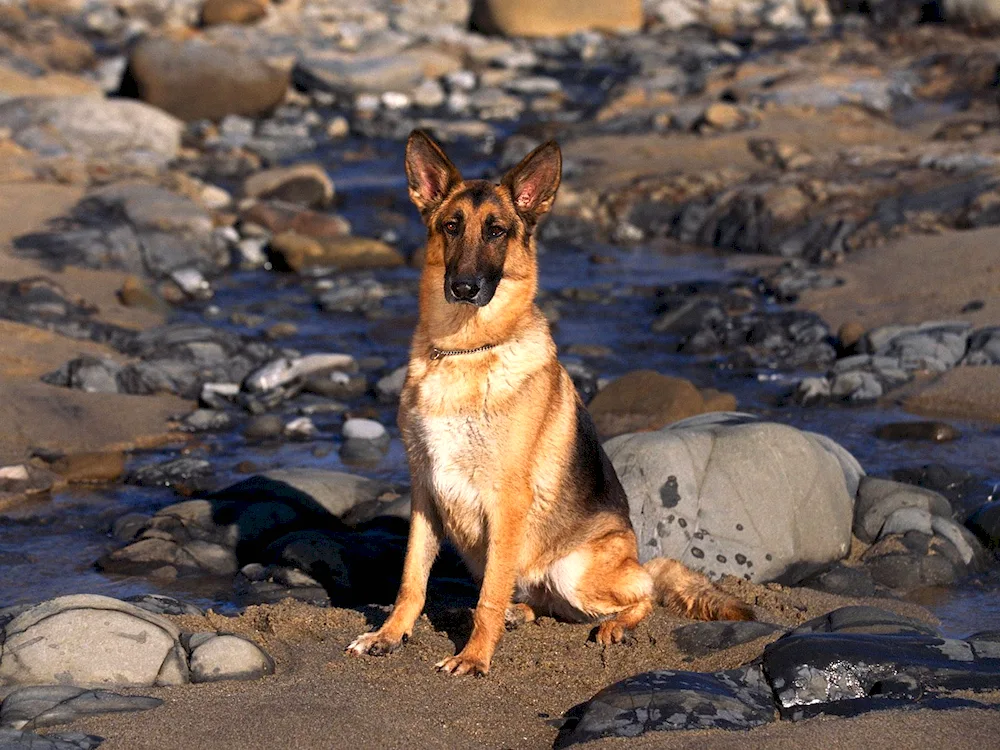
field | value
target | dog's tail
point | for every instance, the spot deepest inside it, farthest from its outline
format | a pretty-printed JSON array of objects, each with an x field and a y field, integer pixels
[{"x": 691, "y": 594}]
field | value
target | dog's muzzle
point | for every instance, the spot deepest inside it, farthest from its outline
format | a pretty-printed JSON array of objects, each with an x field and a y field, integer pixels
[{"x": 470, "y": 290}]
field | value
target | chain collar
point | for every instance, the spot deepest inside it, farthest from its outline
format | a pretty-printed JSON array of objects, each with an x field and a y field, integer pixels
[{"x": 437, "y": 354}]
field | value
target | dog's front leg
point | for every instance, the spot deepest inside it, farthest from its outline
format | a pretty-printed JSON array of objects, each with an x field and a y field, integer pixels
[
  {"x": 505, "y": 528},
  {"x": 421, "y": 549}
]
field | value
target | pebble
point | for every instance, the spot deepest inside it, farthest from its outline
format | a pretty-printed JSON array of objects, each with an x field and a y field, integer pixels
[{"x": 264, "y": 427}]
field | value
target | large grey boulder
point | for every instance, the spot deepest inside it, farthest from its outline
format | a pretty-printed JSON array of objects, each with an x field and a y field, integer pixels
[
  {"x": 762, "y": 501},
  {"x": 90, "y": 640},
  {"x": 93, "y": 128}
]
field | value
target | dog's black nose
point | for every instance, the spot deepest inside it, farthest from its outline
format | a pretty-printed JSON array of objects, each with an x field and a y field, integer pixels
[{"x": 465, "y": 289}]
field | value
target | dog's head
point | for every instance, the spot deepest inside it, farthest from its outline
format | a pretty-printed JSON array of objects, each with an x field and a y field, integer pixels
[{"x": 480, "y": 231}]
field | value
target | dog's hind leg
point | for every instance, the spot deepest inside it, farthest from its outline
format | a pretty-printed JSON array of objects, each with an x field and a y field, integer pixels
[{"x": 614, "y": 586}]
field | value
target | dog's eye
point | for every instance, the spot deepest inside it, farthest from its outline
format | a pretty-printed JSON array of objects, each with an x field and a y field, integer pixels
[
  {"x": 495, "y": 231},
  {"x": 451, "y": 227}
]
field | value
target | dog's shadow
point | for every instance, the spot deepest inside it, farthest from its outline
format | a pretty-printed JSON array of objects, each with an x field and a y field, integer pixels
[{"x": 454, "y": 620}]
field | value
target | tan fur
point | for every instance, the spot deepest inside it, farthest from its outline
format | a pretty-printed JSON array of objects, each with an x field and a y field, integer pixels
[{"x": 490, "y": 439}]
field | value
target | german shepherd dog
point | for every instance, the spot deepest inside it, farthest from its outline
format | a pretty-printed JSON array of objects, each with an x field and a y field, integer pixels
[{"x": 503, "y": 454}]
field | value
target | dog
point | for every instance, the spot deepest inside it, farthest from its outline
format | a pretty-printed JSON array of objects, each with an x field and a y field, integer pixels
[{"x": 504, "y": 457}]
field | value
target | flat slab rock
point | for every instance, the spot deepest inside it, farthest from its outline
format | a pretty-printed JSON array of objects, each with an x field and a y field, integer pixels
[
  {"x": 666, "y": 700},
  {"x": 15, "y": 739},
  {"x": 848, "y": 662},
  {"x": 48, "y": 705},
  {"x": 849, "y": 674}
]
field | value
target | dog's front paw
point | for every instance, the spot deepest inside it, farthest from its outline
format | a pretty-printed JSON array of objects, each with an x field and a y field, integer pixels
[
  {"x": 464, "y": 664},
  {"x": 376, "y": 643}
]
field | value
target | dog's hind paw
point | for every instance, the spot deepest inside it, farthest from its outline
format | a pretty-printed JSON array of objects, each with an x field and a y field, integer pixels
[
  {"x": 461, "y": 664},
  {"x": 375, "y": 643}
]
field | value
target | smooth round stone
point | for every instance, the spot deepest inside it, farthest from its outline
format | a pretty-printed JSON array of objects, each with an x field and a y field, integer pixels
[
  {"x": 264, "y": 427},
  {"x": 228, "y": 657},
  {"x": 363, "y": 429}
]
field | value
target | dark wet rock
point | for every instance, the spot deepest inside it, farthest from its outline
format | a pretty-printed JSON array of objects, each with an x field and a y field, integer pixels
[
  {"x": 703, "y": 638},
  {"x": 264, "y": 427},
  {"x": 668, "y": 700},
  {"x": 647, "y": 400},
  {"x": 227, "y": 657},
  {"x": 160, "y": 604},
  {"x": 93, "y": 128},
  {"x": 241, "y": 521},
  {"x": 859, "y": 378},
  {"x": 88, "y": 374},
  {"x": 697, "y": 487},
  {"x": 935, "y": 432},
  {"x": 34, "y": 707},
  {"x": 337, "y": 385},
  {"x": 186, "y": 471},
  {"x": 843, "y": 581},
  {"x": 878, "y": 499},
  {"x": 195, "y": 79},
  {"x": 136, "y": 227},
  {"x": 259, "y": 584},
  {"x": 984, "y": 347},
  {"x": 16, "y": 739},
  {"x": 795, "y": 277},
  {"x": 91, "y": 640},
  {"x": 959, "y": 486},
  {"x": 914, "y": 560},
  {"x": 985, "y": 524},
  {"x": 38, "y": 301},
  {"x": 848, "y": 674},
  {"x": 713, "y": 323},
  {"x": 868, "y": 620},
  {"x": 930, "y": 346},
  {"x": 353, "y": 295}
]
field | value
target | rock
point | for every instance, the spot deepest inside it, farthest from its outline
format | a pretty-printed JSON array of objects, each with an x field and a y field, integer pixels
[
  {"x": 364, "y": 429},
  {"x": 15, "y": 739},
  {"x": 90, "y": 467},
  {"x": 913, "y": 560},
  {"x": 93, "y": 129},
  {"x": 195, "y": 79},
  {"x": 159, "y": 604},
  {"x": 985, "y": 524},
  {"x": 930, "y": 346},
  {"x": 849, "y": 334},
  {"x": 647, "y": 400},
  {"x": 849, "y": 674},
  {"x": 935, "y": 432},
  {"x": 723, "y": 116},
  {"x": 244, "y": 12},
  {"x": 34, "y": 707},
  {"x": 879, "y": 498},
  {"x": 698, "y": 489},
  {"x": 667, "y": 700},
  {"x": 374, "y": 73},
  {"x": 229, "y": 657},
  {"x": 186, "y": 471},
  {"x": 91, "y": 640},
  {"x": 390, "y": 387},
  {"x": 843, "y": 581},
  {"x": 549, "y": 17},
  {"x": 205, "y": 420},
  {"x": 283, "y": 371},
  {"x": 868, "y": 620},
  {"x": 703, "y": 638},
  {"x": 296, "y": 252},
  {"x": 302, "y": 184},
  {"x": 278, "y": 218},
  {"x": 207, "y": 557},
  {"x": 984, "y": 347},
  {"x": 981, "y": 14},
  {"x": 264, "y": 427}
]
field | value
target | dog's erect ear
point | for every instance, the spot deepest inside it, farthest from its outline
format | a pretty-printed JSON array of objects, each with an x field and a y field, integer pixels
[
  {"x": 430, "y": 175},
  {"x": 533, "y": 183}
]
